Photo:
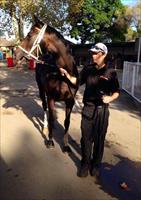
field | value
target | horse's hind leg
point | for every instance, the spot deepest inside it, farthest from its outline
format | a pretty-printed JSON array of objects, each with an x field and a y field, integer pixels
[{"x": 69, "y": 106}]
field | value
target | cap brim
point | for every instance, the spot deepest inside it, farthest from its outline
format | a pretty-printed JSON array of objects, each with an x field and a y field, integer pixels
[{"x": 94, "y": 50}]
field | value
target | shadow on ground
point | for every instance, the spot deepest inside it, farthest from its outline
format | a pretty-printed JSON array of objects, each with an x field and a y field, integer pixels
[
  {"x": 112, "y": 175},
  {"x": 124, "y": 171}
]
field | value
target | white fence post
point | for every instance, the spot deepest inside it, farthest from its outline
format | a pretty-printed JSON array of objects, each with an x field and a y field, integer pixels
[
  {"x": 139, "y": 50},
  {"x": 131, "y": 79},
  {"x": 123, "y": 74}
]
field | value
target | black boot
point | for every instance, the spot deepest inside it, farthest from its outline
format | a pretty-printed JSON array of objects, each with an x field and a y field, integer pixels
[
  {"x": 84, "y": 170},
  {"x": 95, "y": 171}
]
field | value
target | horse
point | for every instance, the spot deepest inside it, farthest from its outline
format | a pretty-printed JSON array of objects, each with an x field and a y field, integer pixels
[{"x": 51, "y": 51}]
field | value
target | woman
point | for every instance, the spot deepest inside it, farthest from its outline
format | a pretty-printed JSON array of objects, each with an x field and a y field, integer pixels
[{"x": 101, "y": 88}]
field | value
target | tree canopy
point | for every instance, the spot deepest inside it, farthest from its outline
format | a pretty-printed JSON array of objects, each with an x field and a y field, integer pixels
[
  {"x": 22, "y": 11},
  {"x": 18, "y": 13},
  {"x": 86, "y": 20},
  {"x": 95, "y": 19}
]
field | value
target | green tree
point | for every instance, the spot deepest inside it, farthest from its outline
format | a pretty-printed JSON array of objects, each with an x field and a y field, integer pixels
[
  {"x": 132, "y": 22},
  {"x": 95, "y": 18},
  {"x": 87, "y": 20},
  {"x": 4, "y": 20},
  {"x": 121, "y": 26},
  {"x": 136, "y": 19},
  {"x": 22, "y": 11},
  {"x": 19, "y": 12},
  {"x": 54, "y": 13}
]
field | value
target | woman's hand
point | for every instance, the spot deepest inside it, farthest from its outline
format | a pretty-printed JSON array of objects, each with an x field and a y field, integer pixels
[
  {"x": 108, "y": 99},
  {"x": 64, "y": 72}
]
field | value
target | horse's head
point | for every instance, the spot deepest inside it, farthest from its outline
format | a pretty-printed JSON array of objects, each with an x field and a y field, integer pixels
[
  {"x": 27, "y": 43},
  {"x": 50, "y": 40}
]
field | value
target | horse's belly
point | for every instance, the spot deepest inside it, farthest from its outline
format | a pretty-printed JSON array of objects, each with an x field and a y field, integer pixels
[{"x": 59, "y": 92}]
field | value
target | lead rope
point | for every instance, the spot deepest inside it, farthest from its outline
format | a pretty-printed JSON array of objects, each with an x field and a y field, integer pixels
[{"x": 75, "y": 100}]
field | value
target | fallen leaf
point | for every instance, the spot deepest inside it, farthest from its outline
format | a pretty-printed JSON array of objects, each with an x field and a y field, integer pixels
[{"x": 124, "y": 185}]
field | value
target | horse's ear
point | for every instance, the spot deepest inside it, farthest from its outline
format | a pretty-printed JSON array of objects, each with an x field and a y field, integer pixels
[{"x": 37, "y": 22}]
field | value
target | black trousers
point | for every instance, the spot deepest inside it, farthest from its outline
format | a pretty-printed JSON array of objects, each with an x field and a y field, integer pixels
[{"x": 94, "y": 126}]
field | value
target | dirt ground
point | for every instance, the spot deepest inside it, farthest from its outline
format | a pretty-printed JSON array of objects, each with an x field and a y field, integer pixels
[{"x": 29, "y": 171}]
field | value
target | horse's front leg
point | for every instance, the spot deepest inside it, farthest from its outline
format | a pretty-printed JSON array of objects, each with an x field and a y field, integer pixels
[
  {"x": 42, "y": 94},
  {"x": 50, "y": 120},
  {"x": 69, "y": 106},
  {"x": 45, "y": 123}
]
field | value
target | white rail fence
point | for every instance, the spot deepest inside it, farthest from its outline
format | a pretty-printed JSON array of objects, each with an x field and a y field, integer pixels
[{"x": 131, "y": 79}]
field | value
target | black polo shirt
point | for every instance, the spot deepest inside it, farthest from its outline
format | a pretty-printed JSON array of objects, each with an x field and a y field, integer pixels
[{"x": 98, "y": 82}]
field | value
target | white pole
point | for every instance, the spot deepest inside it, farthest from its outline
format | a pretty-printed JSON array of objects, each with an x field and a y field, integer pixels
[{"x": 139, "y": 50}]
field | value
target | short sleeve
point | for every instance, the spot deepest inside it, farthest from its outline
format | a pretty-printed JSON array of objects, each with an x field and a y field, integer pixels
[
  {"x": 114, "y": 82},
  {"x": 82, "y": 76}
]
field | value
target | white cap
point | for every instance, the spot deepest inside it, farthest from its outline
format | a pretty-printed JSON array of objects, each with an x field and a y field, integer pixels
[{"x": 99, "y": 47}]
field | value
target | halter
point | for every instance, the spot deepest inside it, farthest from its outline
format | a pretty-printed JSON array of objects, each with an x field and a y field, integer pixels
[{"x": 36, "y": 45}]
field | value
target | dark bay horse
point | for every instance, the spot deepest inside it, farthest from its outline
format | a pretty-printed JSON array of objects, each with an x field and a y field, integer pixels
[{"x": 53, "y": 53}]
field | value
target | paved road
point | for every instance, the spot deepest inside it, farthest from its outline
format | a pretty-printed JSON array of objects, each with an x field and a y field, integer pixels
[{"x": 29, "y": 171}]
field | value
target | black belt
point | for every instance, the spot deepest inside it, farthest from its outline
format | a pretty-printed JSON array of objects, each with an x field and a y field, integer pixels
[
  {"x": 95, "y": 105},
  {"x": 101, "y": 106}
]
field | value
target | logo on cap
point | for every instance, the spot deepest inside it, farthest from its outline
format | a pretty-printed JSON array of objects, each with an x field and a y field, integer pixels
[{"x": 99, "y": 47}]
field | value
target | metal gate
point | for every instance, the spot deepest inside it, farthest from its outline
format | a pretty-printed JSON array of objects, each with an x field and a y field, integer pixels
[{"x": 131, "y": 79}]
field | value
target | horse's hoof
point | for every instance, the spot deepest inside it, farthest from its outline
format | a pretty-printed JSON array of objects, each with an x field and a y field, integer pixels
[
  {"x": 45, "y": 131},
  {"x": 67, "y": 149},
  {"x": 49, "y": 144}
]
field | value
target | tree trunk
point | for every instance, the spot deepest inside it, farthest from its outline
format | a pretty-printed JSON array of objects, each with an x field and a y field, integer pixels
[{"x": 20, "y": 27}]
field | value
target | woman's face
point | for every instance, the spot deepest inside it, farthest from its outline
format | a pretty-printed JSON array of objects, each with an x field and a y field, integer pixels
[{"x": 98, "y": 57}]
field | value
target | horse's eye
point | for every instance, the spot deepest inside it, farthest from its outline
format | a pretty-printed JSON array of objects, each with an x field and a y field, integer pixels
[{"x": 30, "y": 34}]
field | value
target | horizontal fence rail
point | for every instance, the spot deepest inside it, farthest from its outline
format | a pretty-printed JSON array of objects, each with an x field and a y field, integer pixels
[{"x": 131, "y": 79}]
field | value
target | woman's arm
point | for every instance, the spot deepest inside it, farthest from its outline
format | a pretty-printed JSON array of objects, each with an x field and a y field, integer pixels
[
  {"x": 72, "y": 79},
  {"x": 108, "y": 99}
]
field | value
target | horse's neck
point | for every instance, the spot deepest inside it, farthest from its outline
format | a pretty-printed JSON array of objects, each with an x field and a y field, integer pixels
[
  {"x": 66, "y": 62},
  {"x": 64, "y": 58}
]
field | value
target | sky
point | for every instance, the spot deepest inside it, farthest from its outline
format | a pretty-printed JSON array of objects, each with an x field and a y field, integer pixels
[{"x": 129, "y": 2}]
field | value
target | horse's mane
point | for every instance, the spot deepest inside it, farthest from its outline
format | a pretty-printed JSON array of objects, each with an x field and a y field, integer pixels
[{"x": 58, "y": 45}]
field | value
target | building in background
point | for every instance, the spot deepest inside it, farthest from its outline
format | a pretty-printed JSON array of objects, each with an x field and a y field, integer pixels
[{"x": 118, "y": 53}]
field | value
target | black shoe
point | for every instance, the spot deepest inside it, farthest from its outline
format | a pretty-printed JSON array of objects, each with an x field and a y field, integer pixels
[
  {"x": 95, "y": 171},
  {"x": 83, "y": 171}
]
